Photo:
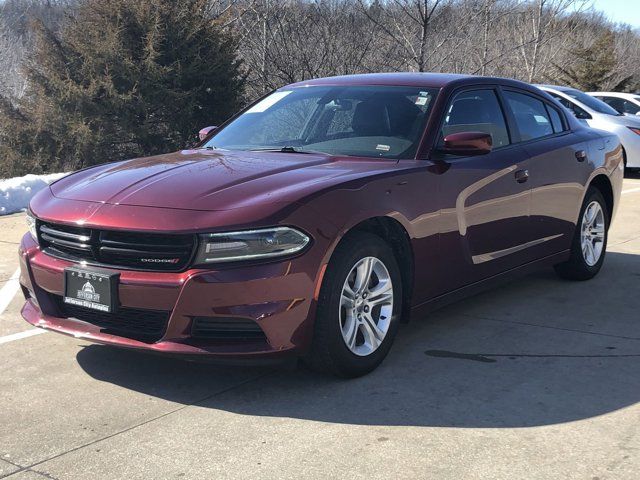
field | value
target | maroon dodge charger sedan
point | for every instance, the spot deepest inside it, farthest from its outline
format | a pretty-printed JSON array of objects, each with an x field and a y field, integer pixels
[{"x": 315, "y": 221}]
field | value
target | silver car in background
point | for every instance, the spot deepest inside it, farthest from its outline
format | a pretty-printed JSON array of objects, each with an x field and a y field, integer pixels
[
  {"x": 597, "y": 114},
  {"x": 625, "y": 103}
]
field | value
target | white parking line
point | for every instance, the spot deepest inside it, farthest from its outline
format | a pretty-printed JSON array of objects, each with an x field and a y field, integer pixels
[
  {"x": 20, "y": 335},
  {"x": 9, "y": 291},
  {"x": 631, "y": 190}
]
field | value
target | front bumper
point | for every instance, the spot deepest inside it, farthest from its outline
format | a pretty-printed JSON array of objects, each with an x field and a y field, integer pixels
[{"x": 278, "y": 297}]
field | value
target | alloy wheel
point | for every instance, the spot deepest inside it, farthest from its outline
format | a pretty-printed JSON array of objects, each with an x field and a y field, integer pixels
[
  {"x": 366, "y": 306},
  {"x": 592, "y": 233}
]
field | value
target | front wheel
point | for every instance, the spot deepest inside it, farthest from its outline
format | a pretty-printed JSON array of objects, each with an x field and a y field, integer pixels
[
  {"x": 358, "y": 308},
  {"x": 590, "y": 239}
]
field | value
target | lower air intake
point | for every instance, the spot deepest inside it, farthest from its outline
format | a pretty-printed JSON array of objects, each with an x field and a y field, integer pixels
[
  {"x": 226, "y": 328},
  {"x": 137, "y": 324}
]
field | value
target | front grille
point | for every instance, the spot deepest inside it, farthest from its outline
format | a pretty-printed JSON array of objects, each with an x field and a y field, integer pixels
[
  {"x": 138, "y": 324},
  {"x": 134, "y": 250},
  {"x": 226, "y": 328}
]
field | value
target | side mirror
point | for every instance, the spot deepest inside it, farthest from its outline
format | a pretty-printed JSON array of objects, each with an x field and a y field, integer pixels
[
  {"x": 204, "y": 133},
  {"x": 467, "y": 144}
]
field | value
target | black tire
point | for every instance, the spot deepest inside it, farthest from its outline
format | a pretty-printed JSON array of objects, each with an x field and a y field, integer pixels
[
  {"x": 576, "y": 268},
  {"x": 329, "y": 352}
]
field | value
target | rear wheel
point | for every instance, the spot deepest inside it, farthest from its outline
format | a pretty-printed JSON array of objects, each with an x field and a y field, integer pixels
[
  {"x": 358, "y": 308},
  {"x": 590, "y": 239}
]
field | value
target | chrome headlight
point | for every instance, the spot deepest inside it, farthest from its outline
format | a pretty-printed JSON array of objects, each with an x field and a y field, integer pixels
[
  {"x": 249, "y": 245},
  {"x": 31, "y": 223}
]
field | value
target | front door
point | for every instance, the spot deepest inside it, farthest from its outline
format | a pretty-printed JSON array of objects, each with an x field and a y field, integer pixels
[{"x": 485, "y": 199}]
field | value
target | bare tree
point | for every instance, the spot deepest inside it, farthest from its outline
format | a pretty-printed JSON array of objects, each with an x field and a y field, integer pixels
[
  {"x": 536, "y": 26},
  {"x": 284, "y": 41},
  {"x": 407, "y": 25},
  {"x": 16, "y": 37},
  {"x": 12, "y": 53}
]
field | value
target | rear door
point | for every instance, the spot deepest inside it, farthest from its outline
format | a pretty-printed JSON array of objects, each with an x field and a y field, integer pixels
[
  {"x": 558, "y": 169},
  {"x": 484, "y": 199}
]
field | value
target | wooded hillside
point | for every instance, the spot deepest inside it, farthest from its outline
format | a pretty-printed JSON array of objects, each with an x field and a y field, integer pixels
[{"x": 88, "y": 81}]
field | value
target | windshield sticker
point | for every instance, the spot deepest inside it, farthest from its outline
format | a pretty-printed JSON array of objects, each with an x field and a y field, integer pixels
[
  {"x": 421, "y": 100},
  {"x": 268, "y": 102},
  {"x": 383, "y": 148}
]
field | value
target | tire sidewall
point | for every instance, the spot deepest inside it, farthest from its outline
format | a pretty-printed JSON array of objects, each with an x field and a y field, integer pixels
[
  {"x": 592, "y": 195},
  {"x": 341, "y": 264}
]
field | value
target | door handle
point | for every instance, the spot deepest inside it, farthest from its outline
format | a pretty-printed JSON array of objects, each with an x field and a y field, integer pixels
[
  {"x": 522, "y": 176},
  {"x": 581, "y": 155}
]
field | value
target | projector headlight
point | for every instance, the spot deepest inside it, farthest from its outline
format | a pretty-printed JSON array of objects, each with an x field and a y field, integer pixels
[
  {"x": 249, "y": 245},
  {"x": 31, "y": 223}
]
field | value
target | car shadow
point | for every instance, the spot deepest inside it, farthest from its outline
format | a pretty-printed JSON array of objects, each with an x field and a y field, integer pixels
[{"x": 538, "y": 351}]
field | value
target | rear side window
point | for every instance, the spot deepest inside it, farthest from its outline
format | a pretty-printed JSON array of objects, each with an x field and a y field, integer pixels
[
  {"x": 476, "y": 111},
  {"x": 572, "y": 107},
  {"x": 556, "y": 119},
  {"x": 530, "y": 114}
]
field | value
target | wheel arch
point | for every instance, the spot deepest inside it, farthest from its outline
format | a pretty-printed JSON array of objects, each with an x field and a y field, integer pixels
[
  {"x": 603, "y": 184},
  {"x": 395, "y": 234}
]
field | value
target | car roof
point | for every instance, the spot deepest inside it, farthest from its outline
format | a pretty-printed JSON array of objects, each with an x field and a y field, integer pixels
[
  {"x": 616, "y": 94},
  {"x": 560, "y": 88},
  {"x": 418, "y": 79}
]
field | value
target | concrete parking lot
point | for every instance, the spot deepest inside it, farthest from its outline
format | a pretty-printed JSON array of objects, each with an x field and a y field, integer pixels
[{"x": 538, "y": 379}]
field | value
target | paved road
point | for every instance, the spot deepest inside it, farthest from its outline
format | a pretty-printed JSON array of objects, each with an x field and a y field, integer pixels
[{"x": 537, "y": 379}]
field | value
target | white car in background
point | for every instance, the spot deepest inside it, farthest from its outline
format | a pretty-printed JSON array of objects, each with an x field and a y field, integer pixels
[
  {"x": 625, "y": 103},
  {"x": 597, "y": 114}
]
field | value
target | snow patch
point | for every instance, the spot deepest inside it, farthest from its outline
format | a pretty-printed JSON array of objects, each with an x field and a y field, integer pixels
[{"x": 16, "y": 192}]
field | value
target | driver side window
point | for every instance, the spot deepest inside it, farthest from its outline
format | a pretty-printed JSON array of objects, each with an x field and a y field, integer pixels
[{"x": 476, "y": 111}]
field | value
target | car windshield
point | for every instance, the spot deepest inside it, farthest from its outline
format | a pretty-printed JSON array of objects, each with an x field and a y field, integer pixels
[
  {"x": 591, "y": 102},
  {"x": 368, "y": 121}
]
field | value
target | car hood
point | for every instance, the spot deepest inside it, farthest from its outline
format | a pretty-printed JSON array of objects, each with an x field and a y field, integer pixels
[{"x": 210, "y": 180}]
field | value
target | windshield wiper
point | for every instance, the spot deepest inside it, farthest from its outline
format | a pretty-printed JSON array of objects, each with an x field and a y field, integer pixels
[{"x": 288, "y": 149}]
